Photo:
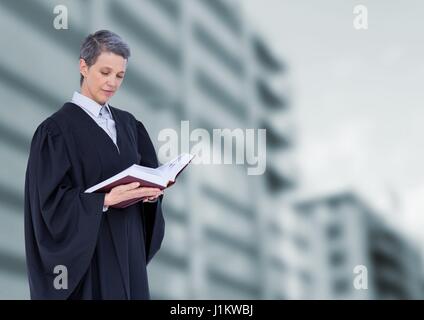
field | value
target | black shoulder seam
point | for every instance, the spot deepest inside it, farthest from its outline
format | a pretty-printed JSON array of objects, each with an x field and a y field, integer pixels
[{"x": 52, "y": 127}]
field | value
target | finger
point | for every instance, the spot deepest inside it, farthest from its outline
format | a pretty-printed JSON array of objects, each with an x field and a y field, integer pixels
[
  {"x": 141, "y": 192},
  {"x": 129, "y": 186},
  {"x": 147, "y": 199},
  {"x": 158, "y": 194},
  {"x": 133, "y": 185},
  {"x": 150, "y": 189},
  {"x": 153, "y": 194}
]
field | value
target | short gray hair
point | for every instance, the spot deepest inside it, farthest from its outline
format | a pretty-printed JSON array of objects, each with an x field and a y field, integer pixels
[{"x": 102, "y": 41}]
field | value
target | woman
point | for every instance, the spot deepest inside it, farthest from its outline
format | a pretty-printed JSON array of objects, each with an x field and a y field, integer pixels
[{"x": 77, "y": 245}]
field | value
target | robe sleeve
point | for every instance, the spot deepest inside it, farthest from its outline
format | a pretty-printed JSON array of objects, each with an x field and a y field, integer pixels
[
  {"x": 61, "y": 221},
  {"x": 153, "y": 220}
]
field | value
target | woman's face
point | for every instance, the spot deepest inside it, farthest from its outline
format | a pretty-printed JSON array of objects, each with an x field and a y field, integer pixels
[{"x": 103, "y": 78}]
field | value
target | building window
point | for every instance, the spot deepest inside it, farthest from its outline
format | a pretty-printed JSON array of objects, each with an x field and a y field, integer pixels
[
  {"x": 337, "y": 258},
  {"x": 213, "y": 45},
  {"x": 334, "y": 231},
  {"x": 220, "y": 95},
  {"x": 170, "y": 7},
  {"x": 226, "y": 14},
  {"x": 341, "y": 285},
  {"x": 301, "y": 242},
  {"x": 305, "y": 277},
  {"x": 266, "y": 58}
]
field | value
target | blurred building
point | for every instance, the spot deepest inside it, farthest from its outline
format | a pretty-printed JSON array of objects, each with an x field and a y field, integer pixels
[
  {"x": 343, "y": 233},
  {"x": 195, "y": 60}
]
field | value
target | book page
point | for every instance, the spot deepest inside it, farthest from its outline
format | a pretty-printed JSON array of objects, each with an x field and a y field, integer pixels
[
  {"x": 154, "y": 171},
  {"x": 170, "y": 169}
]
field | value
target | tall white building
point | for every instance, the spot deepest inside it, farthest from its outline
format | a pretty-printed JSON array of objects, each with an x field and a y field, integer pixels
[
  {"x": 195, "y": 60},
  {"x": 354, "y": 253}
]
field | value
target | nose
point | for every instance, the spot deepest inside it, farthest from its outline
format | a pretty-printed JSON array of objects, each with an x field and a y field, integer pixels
[
  {"x": 112, "y": 80},
  {"x": 111, "y": 84}
]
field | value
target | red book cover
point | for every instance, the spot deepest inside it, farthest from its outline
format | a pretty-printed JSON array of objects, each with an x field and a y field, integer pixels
[
  {"x": 126, "y": 180},
  {"x": 161, "y": 178}
]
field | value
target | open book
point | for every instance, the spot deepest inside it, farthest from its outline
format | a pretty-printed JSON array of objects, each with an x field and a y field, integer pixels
[{"x": 161, "y": 177}]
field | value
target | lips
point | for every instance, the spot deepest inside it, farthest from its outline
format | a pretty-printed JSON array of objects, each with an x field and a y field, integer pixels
[{"x": 108, "y": 93}]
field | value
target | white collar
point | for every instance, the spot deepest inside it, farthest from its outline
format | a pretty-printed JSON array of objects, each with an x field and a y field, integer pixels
[{"x": 89, "y": 104}]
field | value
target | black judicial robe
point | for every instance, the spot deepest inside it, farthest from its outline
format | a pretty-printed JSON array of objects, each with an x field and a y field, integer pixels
[{"x": 105, "y": 253}]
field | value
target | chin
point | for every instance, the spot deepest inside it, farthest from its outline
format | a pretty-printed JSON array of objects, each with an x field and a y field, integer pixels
[{"x": 102, "y": 100}]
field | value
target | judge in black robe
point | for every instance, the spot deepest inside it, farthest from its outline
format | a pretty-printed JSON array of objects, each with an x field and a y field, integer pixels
[{"x": 105, "y": 253}]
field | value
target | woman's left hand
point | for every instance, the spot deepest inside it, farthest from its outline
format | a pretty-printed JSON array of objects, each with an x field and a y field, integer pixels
[{"x": 151, "y": 199}]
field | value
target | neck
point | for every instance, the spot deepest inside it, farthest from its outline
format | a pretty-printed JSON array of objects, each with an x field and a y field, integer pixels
[{"x": 85, "y": 92}]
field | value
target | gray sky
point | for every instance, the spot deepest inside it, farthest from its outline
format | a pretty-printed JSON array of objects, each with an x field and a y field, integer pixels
[{"x": 358, "y": 100}]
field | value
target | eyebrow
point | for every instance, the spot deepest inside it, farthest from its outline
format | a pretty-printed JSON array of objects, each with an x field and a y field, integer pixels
[{"x": 109, "y": 68}]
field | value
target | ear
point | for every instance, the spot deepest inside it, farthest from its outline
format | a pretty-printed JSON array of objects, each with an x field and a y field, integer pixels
[{"x": 83, "y": 68}]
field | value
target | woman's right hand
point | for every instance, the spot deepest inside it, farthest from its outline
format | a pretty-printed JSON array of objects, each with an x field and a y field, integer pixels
[{"x": 130, "y": 191}]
